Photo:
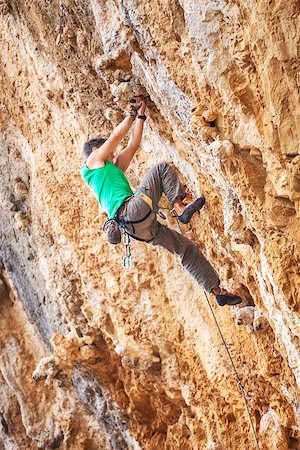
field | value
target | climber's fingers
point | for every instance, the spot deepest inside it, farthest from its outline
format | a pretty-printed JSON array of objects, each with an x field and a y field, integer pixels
[{"x": 142, "y": 107}]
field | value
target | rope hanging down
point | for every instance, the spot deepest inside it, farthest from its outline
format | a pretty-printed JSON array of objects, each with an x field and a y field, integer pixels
[
  {"x": 127, "y": 264},
  {"x": 239, "y": 381}
]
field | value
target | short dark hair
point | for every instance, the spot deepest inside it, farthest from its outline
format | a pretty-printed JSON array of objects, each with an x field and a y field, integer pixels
[{"x": 88, "y": 146}]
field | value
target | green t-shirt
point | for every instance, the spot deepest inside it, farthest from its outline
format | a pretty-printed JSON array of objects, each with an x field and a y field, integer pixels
[{"x": 109, "y": 185}]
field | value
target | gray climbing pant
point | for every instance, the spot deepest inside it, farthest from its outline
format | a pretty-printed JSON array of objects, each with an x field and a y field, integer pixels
[{"x": 162, "y": 179}]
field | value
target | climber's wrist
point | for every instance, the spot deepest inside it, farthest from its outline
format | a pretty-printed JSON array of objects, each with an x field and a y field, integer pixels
[{"x": 141, "y": 110}]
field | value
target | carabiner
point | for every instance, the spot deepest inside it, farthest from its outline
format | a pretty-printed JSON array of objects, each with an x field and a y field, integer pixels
[
  {"x": 127, "y": 262},
  {"x": 126, "y": 239},
  {"x": 127, "y": 259}
]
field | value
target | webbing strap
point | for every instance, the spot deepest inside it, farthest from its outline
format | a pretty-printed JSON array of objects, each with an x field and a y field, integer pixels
[
  {"x": 139, "y": 239},
  {"x": 131, "y": 222},
  {"x": 146, "y": 199}
]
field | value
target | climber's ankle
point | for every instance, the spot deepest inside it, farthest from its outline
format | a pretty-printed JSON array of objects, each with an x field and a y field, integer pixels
[
  {"x": 179, "y": 207},
  {"x": 216, "y": 291}
]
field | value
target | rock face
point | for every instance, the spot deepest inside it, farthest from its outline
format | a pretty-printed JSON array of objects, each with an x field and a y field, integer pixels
[{"x": 93, "y": 356}]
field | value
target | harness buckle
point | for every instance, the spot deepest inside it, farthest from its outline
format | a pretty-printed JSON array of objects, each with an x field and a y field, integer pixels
[{"x": 161, "y": 215}]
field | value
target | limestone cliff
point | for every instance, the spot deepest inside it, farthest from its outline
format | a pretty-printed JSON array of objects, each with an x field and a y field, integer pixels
[{"x": 96, "y": 357}]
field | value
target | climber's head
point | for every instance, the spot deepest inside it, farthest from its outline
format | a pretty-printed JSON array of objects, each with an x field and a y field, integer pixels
[{"x": 92, "y": 145}]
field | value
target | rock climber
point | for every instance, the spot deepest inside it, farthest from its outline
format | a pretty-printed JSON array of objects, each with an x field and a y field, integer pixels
[{"x": 136, "y": 212}]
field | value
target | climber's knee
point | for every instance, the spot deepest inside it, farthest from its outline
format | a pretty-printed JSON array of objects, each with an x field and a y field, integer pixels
[{"x": 161, "y": 166}]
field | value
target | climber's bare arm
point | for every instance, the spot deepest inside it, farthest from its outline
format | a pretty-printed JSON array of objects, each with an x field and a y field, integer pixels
[
  {"x": 98, "y": 157},
  {"x": 124, "y": 158}
]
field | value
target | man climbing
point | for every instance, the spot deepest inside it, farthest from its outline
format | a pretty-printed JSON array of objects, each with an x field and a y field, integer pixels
[{"x": 135, "y": 212}]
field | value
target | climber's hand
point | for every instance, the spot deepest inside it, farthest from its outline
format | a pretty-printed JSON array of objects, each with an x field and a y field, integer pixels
[{"x": 142, "y": 107}]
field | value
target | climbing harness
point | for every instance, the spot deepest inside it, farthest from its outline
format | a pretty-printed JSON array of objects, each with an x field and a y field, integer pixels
[
  {"x": 113, "y": 228},
  {"x": 127, "y": 236},
  {"x": 239, "y": 381},
  {"x": 127, "y": 258},
  {"x": 123, "y": 224},
  {"x": 62, "y": 9}
]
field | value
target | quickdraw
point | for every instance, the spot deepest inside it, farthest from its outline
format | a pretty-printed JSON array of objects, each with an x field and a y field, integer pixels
[
  {"x": 127, "y": 258},
  {"x": 62, "y": 9}
]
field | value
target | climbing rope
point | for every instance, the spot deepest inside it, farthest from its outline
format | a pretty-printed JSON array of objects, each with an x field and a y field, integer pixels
[
  {"x": 239, "y": 381},
  {"x": 178, "y": 224}
]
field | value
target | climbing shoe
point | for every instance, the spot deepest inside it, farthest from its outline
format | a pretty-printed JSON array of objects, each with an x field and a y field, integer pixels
[
  {"x": 228, "y": 299},
  {"x": 191, "y": 209}
]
